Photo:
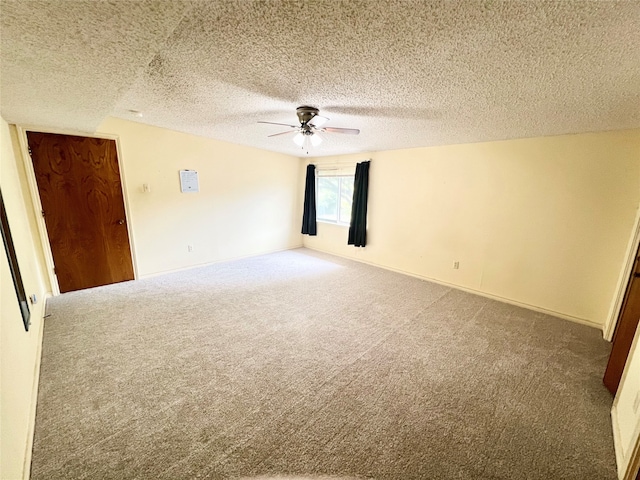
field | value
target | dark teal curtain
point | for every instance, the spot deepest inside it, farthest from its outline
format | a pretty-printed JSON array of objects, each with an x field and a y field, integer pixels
[
  {"x": 309, "y": 212},
  {"x": 358, "y": 226}
]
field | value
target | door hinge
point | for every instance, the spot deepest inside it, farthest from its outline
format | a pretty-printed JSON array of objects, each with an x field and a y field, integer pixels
[{"x": 42, "y": 213}]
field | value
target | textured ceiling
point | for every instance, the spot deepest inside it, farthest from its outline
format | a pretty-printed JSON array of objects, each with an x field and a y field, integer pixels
[{"x": 406, "y": 73}]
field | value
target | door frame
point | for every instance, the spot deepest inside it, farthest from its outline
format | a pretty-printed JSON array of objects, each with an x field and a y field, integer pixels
[
  {"x": 633, "y": 459},
  {"x": 623, "y": 279},
  {"x": 37, "y": 204},
  {"x": 628, "y": 465}
]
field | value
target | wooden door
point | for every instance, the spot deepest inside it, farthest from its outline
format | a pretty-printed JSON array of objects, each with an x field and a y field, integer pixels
[
  {"x": 79, "y": 184},
  {"x": 625, "y": 330}
]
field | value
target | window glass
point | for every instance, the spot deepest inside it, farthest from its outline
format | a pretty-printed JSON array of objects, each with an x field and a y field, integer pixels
[
  {"x": 333, "y": 199},
  {"x": 327, "y": 201},
  {"x": 346, "y": 199}
]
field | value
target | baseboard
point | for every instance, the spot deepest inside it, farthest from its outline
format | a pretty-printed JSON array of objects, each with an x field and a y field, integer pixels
[
  {"x": 26, "y": 469},
  {"x": 222, "y": 260},
  {"x": 564, "y": 316}
]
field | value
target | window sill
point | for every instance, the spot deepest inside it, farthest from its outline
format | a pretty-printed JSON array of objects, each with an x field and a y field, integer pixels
[{"x": 327, "y": 222}]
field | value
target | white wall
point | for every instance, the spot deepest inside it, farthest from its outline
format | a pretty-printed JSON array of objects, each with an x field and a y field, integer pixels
[
  {"x": 542, "y": 222},
  {"x": 19, "y": 350},
  {"x": 248, "y": 201},
  {"x": 625, "y": 414}
]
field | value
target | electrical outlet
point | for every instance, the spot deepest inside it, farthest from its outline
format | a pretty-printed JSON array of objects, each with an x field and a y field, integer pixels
[
  {"x": 456, "y": 265},
  {"x": 189, "y": 248}
]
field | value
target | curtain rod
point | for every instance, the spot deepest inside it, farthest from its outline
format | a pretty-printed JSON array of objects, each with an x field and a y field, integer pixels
[
  {"x": 336, "y": 166},
  {"x": 333, "y": 167}
]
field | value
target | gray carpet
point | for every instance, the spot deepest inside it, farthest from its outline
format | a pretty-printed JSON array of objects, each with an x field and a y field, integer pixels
[{"x": 303, "y": 365}]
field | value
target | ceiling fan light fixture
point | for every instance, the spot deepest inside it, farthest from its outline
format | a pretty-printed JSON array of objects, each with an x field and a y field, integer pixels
[
  {"x": 315, "y": 140},
  {"x": 299, "y": 139},
  {"x": 309, "y": 128}
]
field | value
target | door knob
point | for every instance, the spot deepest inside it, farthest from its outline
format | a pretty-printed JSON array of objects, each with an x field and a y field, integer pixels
[{"x": 120, "y": 222}]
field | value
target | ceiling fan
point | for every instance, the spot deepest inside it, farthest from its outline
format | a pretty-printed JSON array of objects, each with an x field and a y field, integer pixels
[{"x": 310, "y": 125}]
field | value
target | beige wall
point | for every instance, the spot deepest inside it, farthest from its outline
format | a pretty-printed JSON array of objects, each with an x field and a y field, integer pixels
[
  {"x": 248, "y": 201},
  {"x": 626, "y": 409},
  {"x": 541, "y": 222},
  {"x": 248, "y": 204},
  {"x": 19, "y": 350}
]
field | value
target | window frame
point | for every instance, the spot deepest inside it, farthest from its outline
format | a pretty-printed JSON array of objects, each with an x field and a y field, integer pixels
[{"x": 14, "y": 267}]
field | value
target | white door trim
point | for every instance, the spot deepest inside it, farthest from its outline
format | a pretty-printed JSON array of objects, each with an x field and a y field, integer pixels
[{"x": 627, "y": 456}]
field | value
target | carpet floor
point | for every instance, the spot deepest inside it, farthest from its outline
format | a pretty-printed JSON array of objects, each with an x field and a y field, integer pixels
[{"x": 303, "y": 365}]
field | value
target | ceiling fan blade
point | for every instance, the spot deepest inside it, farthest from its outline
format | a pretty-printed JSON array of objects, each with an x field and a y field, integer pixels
[
  {"x": 284, "y": 124},
  {"x": 281, "y": 133},
  {"x": 349, "y": 131},
  {"x": 318, "y": 120}
]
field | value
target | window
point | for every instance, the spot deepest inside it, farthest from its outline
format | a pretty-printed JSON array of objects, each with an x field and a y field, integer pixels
[
  {"x": 13, "y": 266},
  {"x": 334, "y": 198}
]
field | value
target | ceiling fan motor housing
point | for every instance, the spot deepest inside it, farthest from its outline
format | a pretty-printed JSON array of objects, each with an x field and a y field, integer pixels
[{"x": 305, "y": 114}]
